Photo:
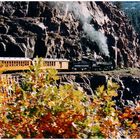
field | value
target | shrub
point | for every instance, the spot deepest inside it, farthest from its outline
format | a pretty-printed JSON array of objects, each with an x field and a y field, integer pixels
[{"x": 38, "y": 107}]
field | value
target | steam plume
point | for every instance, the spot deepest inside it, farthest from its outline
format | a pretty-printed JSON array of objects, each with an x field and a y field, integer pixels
[{"x": 82, "y": 13}]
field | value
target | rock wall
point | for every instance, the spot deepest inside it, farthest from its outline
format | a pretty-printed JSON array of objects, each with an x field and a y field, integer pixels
[
  {"x": 67, "y": 30},
  {"x": 129, "y": 86}
]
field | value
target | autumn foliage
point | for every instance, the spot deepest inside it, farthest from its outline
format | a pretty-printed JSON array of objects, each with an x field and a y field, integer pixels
[{"x": 39, "y": 107}]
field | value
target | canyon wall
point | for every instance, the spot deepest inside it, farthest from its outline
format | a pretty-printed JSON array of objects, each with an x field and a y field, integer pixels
[{"x": 71, "y": 30}]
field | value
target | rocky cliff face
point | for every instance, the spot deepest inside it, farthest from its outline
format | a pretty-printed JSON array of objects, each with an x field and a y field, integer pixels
[
  {"x": 67, "y": 29},
  {"x": 129, "y": 84}
]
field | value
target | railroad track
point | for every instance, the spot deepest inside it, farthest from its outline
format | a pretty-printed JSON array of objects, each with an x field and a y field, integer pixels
[
  {"x": 131, "y": 71},
  {"x": 125, "y": 72}
]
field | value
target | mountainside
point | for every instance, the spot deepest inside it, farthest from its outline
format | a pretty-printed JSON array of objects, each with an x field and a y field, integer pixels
[
  {"x": 71, "y": 30},
  {"x": 131, "y": 5}
]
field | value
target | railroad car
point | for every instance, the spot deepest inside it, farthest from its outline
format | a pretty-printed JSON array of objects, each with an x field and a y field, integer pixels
[
  {"x": 18, "y": 63},
  {"x": 14, "y": 63},
  {"x": 59, "y": 64}
]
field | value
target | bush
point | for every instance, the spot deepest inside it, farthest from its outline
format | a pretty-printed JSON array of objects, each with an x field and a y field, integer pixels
[{"x": 37, "y": 107}]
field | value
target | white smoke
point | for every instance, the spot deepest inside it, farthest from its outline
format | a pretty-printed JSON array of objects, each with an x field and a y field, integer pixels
[
  {"x": 98, "y": 37},
  {"x": 82, "y": 13}
]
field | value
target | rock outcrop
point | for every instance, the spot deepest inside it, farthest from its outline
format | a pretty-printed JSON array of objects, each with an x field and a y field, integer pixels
[
  {"x": 129, "y": 84},
  {"x": 67, "y": 30}
]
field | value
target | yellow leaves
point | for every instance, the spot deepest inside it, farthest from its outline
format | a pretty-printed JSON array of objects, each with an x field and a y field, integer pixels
[
  {"x": 112, "y": 93},
  {"x": 1, "y": 97},
  {"x": 95, "y": 128},
  {"x": 112, "y": 89},
  {"x": 51, "y": 104},
  {"x": 134, "y": 126},
  {"x": 4, "y": 118},
  {"x": 112, "y": 85},
  {"x": 101, "y": 89},
  {"x": 82, "y": 111},
  {"x": 18, "y": 136},
  {"x": 26, "y": 103},
  {"x": 107, "y": 94},
  {"x": 52, "y": 74},
  {"x": 131, "y": 124}
]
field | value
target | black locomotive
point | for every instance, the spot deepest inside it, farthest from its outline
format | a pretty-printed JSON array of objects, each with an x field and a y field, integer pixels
[{"x": 91, "y": 65}]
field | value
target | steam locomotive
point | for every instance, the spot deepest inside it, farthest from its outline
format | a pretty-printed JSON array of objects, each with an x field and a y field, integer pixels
[
  {"x": 19, "y": 64},
  {"x": 91, "y": 65}
]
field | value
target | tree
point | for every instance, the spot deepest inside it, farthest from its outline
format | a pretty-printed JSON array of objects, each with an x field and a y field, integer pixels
[{"x": 118, "y": 4}]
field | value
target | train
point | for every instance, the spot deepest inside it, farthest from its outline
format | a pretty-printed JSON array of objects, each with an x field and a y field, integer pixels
[{"x": 8, "y": 64}]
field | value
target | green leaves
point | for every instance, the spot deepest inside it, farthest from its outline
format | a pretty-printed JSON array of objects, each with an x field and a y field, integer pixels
[{"x": 52, "y": 75}]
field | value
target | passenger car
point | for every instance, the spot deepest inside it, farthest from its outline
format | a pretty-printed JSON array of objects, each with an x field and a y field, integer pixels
[{"x": 19, "y": 63}]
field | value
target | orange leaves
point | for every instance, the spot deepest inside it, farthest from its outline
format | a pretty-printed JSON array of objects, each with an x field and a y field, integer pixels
[
  {"x": 59, "y": 124},
  {"x": 129, "y": 119},
  {"x": 129, "y": 113}
]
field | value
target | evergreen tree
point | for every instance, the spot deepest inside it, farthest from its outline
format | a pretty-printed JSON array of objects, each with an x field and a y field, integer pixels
[{"x": 118, "y": 4}]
